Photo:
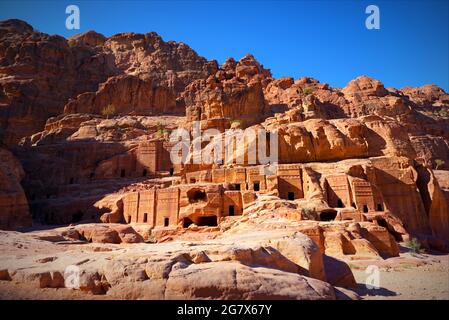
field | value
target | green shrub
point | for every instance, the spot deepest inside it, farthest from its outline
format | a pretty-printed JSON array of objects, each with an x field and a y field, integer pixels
[
  {"x": 109, "y": 110},
  {"x": 415, "y": 246},
  {"x": 439, "y": 163},
  {"x": 307, "y": 91}
]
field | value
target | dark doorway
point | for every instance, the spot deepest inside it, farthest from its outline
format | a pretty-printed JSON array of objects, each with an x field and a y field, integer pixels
[
  {"x": 339, "y": 203},
  {"x": 196, "y": 196},
  {"x": 256, "y": 186},
  {"x": 187, "y": 222},
  {"x": 237, "y": 186},
  {"x": 91, "y": 175},
  {"x": 380, "y": 207},
  {"x": 231, "y": 210},
  {"x": 171, "y": 171},
  {"x": 128, "y": 219},
  {"x": 166, "y": 222},
  {"x": 291, "y": 196},
  {"x": 328, "y": 215},
  {"x": 210, "y": 221},
  {"x": 365, "y": 208},
  {"x": 122, "y": 173},
  {"x": 145, "y": 217},
  {"x": 72, "y": 180},
  {"x": 144, "y": 173}
]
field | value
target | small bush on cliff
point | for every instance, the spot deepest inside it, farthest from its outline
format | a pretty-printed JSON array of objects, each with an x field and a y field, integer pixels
[
  {"x": 160, "y": 130},
  {"x": 439, "y": 163},
  {"x": 307, "y": 91},
  {"x": 415, "y": 246},
  {"x": 108, "y": 111},
  {"x": 235, "y": 123}
]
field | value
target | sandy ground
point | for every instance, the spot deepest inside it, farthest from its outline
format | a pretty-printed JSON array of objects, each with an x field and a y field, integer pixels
[{"x": 421, "y": 277}]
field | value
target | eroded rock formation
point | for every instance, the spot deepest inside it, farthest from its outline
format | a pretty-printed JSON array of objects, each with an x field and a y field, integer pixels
[{"x": 89, "y": 119}]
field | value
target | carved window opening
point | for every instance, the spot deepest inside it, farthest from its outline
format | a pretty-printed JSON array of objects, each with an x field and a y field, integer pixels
[
  {"x": 328, "y": 215},
  {"x": 231, "y": 210},
  {"x": 210, "y": 221},
  {"x": 256, "y": 186},
  {"x": 196, "y": 196},
  {"x": 291, "y": 196}
]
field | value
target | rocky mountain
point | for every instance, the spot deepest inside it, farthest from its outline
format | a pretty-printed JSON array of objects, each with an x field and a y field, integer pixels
[{"x": 84, "y": 139}]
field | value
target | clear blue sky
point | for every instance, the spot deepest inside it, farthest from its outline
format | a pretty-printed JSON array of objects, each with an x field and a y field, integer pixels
[{"x": 326, "y": 40}]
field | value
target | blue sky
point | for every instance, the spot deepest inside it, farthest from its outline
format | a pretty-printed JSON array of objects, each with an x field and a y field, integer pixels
[{"x": 326, "y": 40}]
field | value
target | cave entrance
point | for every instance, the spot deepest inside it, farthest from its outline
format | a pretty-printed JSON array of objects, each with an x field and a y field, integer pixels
[
  {"x": 256, "y": 186},
  {"x": 396, "y": 235},
  {"x": 196, "y": 196},
  {"x": 210, "y": 221},
  {"x": 328, "y": 215},
  {"x": 291, "y": 195},
  {"x": 186, "y": 222},
  {"x": 231, "y": 211}
]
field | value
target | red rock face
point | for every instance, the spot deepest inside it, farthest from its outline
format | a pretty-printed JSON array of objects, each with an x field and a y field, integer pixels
[
  {"x": 40, "y": 73},
  {"x": 13, "y": 202},
  {"x": 234, "y": 92},
  {"x": 89, "y": 118}
]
